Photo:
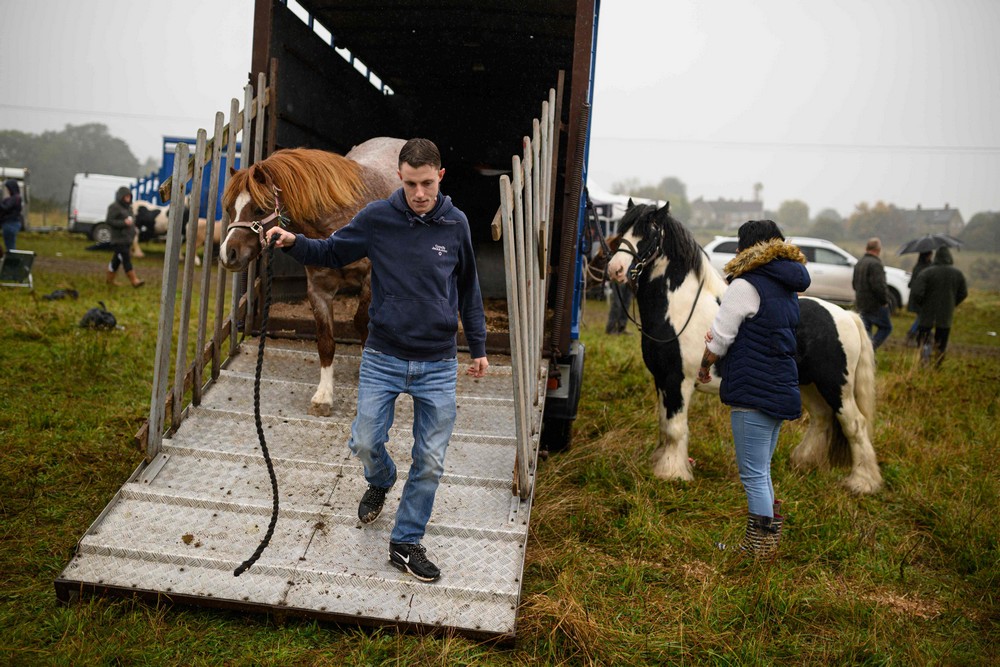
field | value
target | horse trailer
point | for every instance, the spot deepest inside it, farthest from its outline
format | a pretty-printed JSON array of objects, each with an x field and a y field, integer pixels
[{"x": 505, "y": 90}]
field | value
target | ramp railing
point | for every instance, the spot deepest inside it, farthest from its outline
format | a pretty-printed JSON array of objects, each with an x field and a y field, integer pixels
[
  {"x": 525, "y": 212},
  {"x": 232, "y": 312}
]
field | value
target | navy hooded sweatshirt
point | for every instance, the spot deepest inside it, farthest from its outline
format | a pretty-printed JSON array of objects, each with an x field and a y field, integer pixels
[{"x": 423, "y": 276}]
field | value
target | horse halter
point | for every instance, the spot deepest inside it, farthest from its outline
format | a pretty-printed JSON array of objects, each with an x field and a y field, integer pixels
[
  {"x": 261, "y": 227},
  {"x": 639, "y": 263}
]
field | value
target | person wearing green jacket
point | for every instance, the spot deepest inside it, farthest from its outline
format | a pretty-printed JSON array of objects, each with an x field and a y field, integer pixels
[{"x": 936, "y": 292}]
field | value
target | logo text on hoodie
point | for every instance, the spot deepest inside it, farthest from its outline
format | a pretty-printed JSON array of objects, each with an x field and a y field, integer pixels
[{"x": 440, "y": 249}]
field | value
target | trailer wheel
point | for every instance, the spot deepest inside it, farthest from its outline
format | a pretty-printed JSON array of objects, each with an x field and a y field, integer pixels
[
  {"x": 557, "y": 434},
  {"x": 101, "y": 233}
]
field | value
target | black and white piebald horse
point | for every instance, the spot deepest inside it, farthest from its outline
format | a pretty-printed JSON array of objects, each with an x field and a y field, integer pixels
[{"x": 678, "y": 294}]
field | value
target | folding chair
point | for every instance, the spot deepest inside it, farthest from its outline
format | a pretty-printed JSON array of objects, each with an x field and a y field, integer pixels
[{"x": 15, "y": 269}]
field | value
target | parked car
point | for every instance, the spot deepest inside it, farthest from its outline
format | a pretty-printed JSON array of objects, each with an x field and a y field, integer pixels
[{"x": 831, "y": 269}]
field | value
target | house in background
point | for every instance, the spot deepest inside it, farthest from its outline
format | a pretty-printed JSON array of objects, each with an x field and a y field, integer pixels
[
  {"x": 724, "y": 214},
  {"x": 922, "y": 221}
]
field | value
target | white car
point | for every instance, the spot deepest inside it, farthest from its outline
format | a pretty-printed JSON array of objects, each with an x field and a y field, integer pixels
[{"x": 831, "y": 269}]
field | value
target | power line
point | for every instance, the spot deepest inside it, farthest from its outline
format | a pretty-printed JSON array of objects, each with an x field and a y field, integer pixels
[
  {"x": 791, "y": 145},
  {"x": 88, "y": 112}
]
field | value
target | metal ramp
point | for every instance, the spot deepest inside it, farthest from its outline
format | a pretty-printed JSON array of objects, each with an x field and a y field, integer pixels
[
  {"x": 181, "y": 526},
  {"x": 200, "y": 502}
]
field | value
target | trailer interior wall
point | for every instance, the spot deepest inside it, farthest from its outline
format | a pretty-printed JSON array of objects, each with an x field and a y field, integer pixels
[{"x": 470, "y": 76}]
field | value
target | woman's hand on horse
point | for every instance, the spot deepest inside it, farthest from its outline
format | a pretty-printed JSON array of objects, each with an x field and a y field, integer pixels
[
  {"x": 477, "y": 368},
  {"x": 285, "y": 238}
]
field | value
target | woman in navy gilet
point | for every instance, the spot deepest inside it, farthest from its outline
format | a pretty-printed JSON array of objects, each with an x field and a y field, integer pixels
[{"x": 752, "y": 344}]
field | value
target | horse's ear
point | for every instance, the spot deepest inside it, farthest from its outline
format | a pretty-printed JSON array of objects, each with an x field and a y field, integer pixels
[
  {"x": 259, "y": 176},
  {"x": 630, "y": 204},
  {"x": 232, "y": 171},
  {"x": 666, "y": 207}
]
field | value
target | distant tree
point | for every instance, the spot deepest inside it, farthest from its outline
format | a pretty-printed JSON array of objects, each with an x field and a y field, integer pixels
[
  {"x": 793, "y": 216},
  {"x": 829, "y": 225},
  {"x": 54, "y": 157},
  {"x": 149, "y": 166},
  {"x": 982, "y": 233},
  {"x": 670, "y": 189},
  {"x": 882, "y": 220},
  {"x": 757, "y": 188},
  {"x": 828, "y": 214}
]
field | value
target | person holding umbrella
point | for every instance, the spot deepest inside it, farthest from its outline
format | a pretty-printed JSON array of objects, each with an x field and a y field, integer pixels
[
  {"x": 925, "y": 246},
  {"x": 936, "y": 292},
  {"x": 923, "y": 261}
]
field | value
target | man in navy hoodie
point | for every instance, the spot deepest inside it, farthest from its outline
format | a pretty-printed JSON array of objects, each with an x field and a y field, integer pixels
[{"x": 423, "y": 277}]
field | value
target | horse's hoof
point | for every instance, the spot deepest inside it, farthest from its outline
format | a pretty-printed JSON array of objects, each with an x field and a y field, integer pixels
[
  {"x": 862, "y": 485},
  {"x": 321, "y": 409}
]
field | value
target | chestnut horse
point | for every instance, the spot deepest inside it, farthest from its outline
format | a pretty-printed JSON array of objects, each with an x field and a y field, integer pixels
[{"x": 318, "y": 193}]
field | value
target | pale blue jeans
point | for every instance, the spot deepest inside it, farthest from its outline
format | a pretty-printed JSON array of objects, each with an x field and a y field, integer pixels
[
  {"x": 756, "y": 437},
  {"x": 383, "y": 378}
]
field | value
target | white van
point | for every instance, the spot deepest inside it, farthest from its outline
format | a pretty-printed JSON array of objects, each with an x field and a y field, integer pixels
[{"x": 89, "y": 198}]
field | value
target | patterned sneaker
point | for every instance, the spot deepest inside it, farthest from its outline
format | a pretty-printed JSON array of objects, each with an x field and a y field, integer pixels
[
  {"x": 412, "y": 558},
  {"x": 371, "y": 503}
]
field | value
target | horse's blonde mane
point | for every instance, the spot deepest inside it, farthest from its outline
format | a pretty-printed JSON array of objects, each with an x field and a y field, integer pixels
[{"x": 312, "y": 182}]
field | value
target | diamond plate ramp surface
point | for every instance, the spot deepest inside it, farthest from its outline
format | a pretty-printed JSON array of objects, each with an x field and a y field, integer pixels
[{"x": 183, "y": 523}]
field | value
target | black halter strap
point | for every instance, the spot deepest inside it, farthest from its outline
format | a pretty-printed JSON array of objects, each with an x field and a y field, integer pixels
[{"x": 639, "y": 264}]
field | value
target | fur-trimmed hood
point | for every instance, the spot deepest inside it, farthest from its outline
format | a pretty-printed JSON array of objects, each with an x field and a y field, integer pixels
[{"x": 760, "y": 254}]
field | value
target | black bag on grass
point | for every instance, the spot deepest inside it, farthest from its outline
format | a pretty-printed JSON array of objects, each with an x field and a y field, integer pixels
[{"x": 98, "y": 318}]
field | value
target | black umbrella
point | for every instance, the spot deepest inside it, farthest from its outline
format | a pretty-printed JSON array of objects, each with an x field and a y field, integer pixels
[{"x": 929, "y": 243}]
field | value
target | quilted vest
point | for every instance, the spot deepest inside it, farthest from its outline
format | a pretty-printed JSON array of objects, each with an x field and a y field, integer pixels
[{"x": 759, "y": 369}]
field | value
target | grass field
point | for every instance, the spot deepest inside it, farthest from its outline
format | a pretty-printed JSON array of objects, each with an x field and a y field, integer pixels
[{"x": 621, "y": 567}]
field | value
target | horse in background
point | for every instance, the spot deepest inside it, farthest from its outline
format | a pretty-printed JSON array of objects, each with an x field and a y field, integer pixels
[
  {"x": 678, "y": 294},
  {"x": 318, "y": 193},
  {"x": 151, "y": 222}
]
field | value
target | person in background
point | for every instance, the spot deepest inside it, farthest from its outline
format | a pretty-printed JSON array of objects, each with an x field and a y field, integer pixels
[
  {"x": 10, "y": 213},
  {"x": 871, "y": 293},
  {"x": 423, "y": 276},
  {"x": 936, "y": 292},
  {"x": 119, "y": 218},
  {"x": 753, "y": 344},
  {"x": 620, "y": 299},
  {"x": 923, "y": 261}
]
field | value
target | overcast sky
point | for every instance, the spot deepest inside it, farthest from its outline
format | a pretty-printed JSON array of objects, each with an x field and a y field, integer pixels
[{"x": 833, "y": 103}]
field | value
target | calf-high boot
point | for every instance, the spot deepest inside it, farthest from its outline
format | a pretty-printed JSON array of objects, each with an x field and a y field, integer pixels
[
  {"x": 111, "y": 278},
  {"x": 777, "y": 521},
  {"x": 761, "y": 537},
  {"x": 134, "y": 279}
]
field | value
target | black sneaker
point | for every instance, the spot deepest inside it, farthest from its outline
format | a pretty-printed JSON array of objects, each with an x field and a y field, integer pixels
[
  {"x": 371, "y": 503},
  {"x": 412, "y": 558}
]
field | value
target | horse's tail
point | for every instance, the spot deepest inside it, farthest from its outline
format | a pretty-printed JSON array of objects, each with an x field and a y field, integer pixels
[{"x": 864, "y": 377}]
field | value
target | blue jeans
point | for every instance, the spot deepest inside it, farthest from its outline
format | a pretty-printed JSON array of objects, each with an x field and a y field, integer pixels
[
  {"x": 432, "y": 386},
  {"x": 881, "y": 321},
  {"x": 756, "y": 437},
  {"x": 10, "y": 230}
]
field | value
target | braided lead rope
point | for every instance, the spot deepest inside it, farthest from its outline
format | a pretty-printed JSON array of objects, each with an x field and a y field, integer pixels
[{"x": 269, "y": 275}]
